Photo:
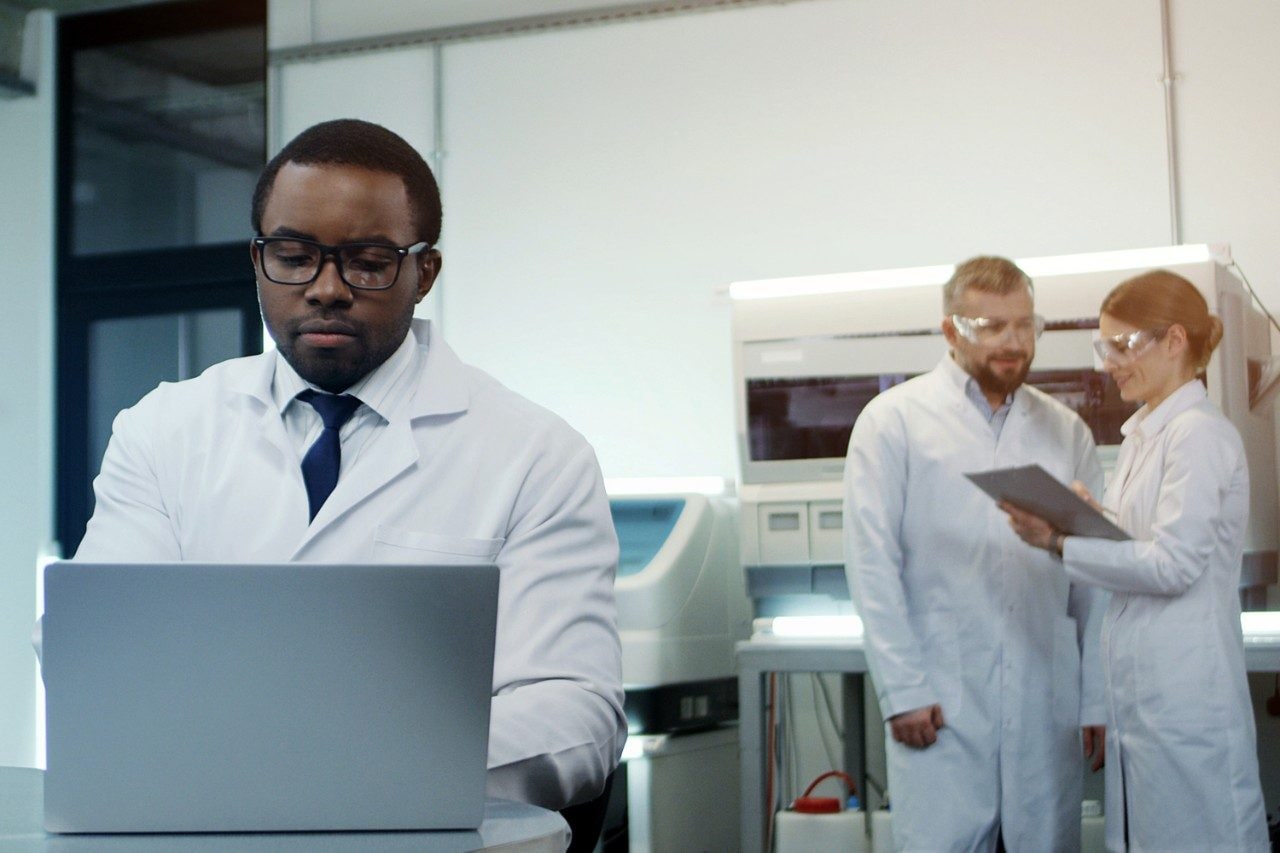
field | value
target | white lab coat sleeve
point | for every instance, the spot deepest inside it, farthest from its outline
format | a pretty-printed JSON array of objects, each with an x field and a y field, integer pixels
[
  {"x": 875, "y": 481},
  {"x": 1088, "y": 604},
  {"x": 1197, "y": 470},
  {"x": 557, "y": 727},
  {"x": 130, "y": 520}
]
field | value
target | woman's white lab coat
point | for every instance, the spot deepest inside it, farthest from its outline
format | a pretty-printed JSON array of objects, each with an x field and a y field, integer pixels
[
  {"x": 958, "y": 611},
  {"x": 1181, "y": 752}
]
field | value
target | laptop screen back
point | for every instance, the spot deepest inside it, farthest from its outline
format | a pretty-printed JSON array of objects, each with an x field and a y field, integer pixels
[{"x": 192, "y": 697}]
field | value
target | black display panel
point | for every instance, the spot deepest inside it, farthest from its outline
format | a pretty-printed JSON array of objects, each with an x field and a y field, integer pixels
[
  {"x": 808, "y": 417},
  {"x": 812, "y": 417}
]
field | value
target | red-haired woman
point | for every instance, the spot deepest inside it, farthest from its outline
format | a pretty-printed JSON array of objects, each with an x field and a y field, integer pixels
[{"x": 1182, "y": 766}]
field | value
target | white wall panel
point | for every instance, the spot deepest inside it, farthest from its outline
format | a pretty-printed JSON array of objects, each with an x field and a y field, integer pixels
[
  {"x": 1228, "y": 107},
  {"x": 600, "y": 182},
  {"x": 26, "y": 393},
  {"x": 393, "y": 88}
]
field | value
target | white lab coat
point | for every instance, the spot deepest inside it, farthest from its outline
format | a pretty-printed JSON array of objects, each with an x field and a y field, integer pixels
[
  {"x": 465, "y": 472},
  {"x": 958, "y": 611},
  {"x": 1181, "y": 748}
]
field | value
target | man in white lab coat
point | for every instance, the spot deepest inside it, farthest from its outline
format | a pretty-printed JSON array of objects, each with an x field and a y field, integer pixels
[
  {"x": 435, "y": 462},
  {"x": 983, "y": 656}
]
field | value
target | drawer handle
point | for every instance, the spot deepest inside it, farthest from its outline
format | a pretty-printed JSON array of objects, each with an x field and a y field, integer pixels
[{"x": 784, "y": 521}]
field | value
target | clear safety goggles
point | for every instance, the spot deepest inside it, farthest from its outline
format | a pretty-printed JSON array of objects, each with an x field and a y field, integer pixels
[
  {"x": 988, "y": 330},
  {"x": 1124, "y": 349}
]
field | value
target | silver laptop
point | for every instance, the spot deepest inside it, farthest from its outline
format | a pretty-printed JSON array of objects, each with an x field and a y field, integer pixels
[{"x": 191, "y": 697}]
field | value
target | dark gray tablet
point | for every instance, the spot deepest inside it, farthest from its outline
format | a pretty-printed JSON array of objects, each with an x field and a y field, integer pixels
[{"x": 1035, "y": 490}]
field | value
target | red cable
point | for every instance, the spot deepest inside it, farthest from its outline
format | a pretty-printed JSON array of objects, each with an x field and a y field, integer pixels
[{"x": 848, "y": 780}]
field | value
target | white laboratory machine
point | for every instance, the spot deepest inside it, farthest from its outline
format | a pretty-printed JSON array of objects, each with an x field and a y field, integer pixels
[
  {"x": 682, "y": 606},
  {"x": 809, "y": 353}
]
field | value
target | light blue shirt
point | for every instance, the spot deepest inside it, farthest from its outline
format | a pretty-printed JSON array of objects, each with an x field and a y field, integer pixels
[{"x": 995, "y": 417}]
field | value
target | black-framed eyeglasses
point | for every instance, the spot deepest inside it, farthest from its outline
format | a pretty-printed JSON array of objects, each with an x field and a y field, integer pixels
[{"x": 363, "y": 266}]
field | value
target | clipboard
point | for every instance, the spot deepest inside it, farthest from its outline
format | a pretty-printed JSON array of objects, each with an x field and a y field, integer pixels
[{"x": 1035, "y": 490}]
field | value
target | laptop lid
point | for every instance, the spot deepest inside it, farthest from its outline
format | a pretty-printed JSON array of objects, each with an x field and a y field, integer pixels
[{"x": 192, "y": 697}]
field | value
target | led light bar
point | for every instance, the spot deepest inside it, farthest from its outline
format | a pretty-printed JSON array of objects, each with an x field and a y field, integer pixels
[
  {"x": 810, "y": 627},
  {"x": 817, "y": 285},
  {"x": 1260, "y": 625}
]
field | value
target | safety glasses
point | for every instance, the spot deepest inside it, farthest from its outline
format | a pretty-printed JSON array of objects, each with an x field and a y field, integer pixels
[
  {"x": 987, "y": 330},
  {"x": 1124, "y": 349}
]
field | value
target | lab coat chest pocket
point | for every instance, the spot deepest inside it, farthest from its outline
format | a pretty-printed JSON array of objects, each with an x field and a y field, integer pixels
[
  {"x": 940, "y": 644},
  {"x": 1066, "y": 672},
  {"x": 394, "y": 545}
]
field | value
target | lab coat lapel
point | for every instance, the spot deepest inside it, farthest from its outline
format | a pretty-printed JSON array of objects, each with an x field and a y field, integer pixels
[{"x": 255, "y": 384}]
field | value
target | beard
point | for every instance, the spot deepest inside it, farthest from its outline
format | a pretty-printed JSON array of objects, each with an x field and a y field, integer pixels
[{"x": 1006, "y": 382}]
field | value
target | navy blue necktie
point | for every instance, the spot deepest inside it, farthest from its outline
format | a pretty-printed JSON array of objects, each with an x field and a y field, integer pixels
[{"x": 324, "y": 457}]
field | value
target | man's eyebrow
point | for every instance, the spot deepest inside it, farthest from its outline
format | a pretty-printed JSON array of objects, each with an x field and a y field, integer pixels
[
  {"x": 379, "y": 239},
  {"x": 289, "y": 232}
]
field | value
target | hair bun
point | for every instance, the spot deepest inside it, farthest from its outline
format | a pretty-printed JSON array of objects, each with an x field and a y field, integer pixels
[{"x": 1211, "y": 340}]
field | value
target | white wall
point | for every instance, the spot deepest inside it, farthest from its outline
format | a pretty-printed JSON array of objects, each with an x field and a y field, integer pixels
[
  {"x": 1228, "y": 92},
  {"x": 26, "y": 393}
]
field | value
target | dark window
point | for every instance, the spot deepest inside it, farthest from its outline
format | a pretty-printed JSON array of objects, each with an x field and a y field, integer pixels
[{"x": 160, "y": 137}]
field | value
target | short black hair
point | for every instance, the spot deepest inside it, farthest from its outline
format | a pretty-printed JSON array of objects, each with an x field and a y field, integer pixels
[{"x": 352, "y": 142}]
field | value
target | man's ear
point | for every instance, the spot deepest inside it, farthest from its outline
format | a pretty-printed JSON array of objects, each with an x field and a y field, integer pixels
[
  {"x": 949, "y": 331},
  {"x": 429, "y": 264}
]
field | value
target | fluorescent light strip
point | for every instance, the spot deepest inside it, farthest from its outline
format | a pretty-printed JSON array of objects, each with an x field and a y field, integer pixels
[
  {"x": 1255, "y": 625},
  {"x": 1259, "y": 624},
  {"x": 1129, "y": 259},
  {"x": 816, "y": 627},
  {"x": 818, "y": 285},
  {"x": 622, "y": 486}
]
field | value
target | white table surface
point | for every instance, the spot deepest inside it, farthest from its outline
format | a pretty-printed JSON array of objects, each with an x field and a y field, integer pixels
[{"x": 508, "y": 825}]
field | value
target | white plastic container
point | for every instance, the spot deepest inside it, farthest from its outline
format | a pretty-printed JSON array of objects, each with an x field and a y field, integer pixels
[{"x": 843, "y": 831}]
